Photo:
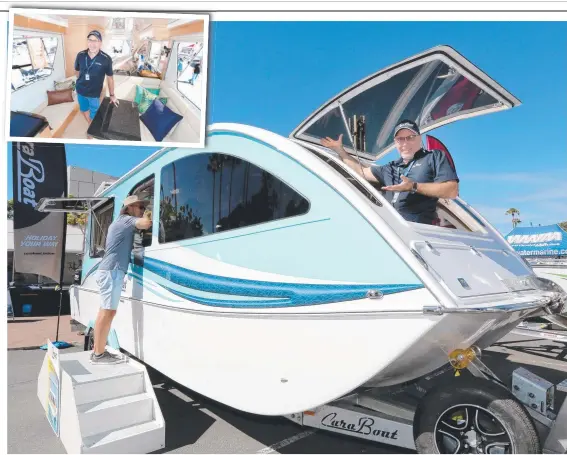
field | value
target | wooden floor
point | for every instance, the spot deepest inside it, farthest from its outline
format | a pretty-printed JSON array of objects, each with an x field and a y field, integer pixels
[{"x": 77, "y": 129}]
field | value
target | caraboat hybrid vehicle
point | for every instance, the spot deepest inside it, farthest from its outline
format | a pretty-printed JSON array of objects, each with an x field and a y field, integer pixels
[{"x": 275, "y": 280}]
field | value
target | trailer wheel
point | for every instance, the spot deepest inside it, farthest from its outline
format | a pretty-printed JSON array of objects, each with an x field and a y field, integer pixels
[
  {"x": 472, "y": 415},
  {"x": 89, "y": 340}
]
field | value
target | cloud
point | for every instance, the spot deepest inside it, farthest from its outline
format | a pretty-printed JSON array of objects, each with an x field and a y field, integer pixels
[
  {"x": 520, "y": 177},
  {"x": 554, "y": 176},
  {"x": 541, "y": 198},
  {"x": 550, "y": 190},
  {"x": 536, "y": 187},
  {"x": 553, "y": 211}
]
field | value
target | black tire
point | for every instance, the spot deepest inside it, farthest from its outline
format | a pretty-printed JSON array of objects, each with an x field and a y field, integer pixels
[
  {"x": 89, "y": 340},
  {"x": 490, "y": 405}
]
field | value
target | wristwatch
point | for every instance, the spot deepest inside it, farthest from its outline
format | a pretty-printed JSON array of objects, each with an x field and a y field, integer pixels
[{"x": 414, "y": 188}]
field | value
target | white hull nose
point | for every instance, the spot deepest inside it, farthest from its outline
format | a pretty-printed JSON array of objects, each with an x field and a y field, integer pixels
[{"x": 453, "y": 331}]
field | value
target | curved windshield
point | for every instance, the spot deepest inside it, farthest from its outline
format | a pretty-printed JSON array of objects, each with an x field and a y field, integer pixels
[{"x": 428, "y": 93}]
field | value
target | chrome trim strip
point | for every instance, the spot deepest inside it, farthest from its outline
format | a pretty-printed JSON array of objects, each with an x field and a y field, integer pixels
[{"x": 510, "y": 308}]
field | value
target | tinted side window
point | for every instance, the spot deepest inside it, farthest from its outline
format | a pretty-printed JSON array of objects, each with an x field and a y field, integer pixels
[
  {"x": 207, "y": 193},
  {"x": 100, "y": 222}
]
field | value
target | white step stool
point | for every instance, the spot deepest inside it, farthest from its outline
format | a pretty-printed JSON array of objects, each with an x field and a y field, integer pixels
[{"x": 105, "y": 408}]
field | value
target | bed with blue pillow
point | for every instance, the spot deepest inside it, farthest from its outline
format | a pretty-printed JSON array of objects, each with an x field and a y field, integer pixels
[{"x": 173, "y": 118}]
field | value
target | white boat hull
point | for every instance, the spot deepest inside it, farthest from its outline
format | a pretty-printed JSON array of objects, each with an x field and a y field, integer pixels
[
  {"x": 281, "y": 317},
  {"x": 244, "y": 360}
]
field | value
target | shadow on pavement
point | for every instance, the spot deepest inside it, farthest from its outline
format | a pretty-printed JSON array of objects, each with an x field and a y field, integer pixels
[
  {"x": 186, "y": 420},
  {"x": 189, "y": 415}
]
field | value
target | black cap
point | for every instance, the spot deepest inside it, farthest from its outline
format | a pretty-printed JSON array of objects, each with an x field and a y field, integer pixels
[
  {"x": 407, "y": 125},
  {"x": 95, "y": 33}
]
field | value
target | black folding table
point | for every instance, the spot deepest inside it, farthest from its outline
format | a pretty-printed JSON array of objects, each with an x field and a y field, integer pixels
[{"x": 121, "y": 123}]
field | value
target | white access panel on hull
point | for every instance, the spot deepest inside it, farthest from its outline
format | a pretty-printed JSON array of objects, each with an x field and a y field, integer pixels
[
  {"x": 477, "y": 274},
  {"x": 105, "y": 408}
]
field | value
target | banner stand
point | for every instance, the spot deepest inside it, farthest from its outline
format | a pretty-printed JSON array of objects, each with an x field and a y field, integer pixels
[
  {"x": 39, "y": 171},
  {"x": 62, "y": 269},
  {"x": 59, "y": 313}
]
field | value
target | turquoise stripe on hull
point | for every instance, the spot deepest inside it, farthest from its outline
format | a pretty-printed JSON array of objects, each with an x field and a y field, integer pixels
[{"x": 280, "y": 294}]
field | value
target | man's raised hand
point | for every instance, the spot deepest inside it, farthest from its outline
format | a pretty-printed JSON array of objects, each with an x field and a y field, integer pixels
[{"x": 336, "y": 145}]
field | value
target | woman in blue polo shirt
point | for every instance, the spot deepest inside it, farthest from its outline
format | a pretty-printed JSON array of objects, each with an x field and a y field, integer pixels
[{"x": 91, "y": 67}]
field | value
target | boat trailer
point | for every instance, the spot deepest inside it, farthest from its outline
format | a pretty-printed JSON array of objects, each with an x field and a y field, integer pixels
[{"x": 409, "y": 415}]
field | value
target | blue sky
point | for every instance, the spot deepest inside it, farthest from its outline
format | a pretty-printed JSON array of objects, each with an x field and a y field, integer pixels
[{"x": 274, "y": 74}]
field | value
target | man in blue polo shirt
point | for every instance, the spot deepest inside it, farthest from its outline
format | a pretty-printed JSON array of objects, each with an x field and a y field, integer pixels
[
  {"x": 414, "y": 182},
  {"x": 91, "y": 67}
]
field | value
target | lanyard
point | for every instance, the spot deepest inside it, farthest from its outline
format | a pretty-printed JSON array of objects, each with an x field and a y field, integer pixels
[
  {"x": 92, "y": 63},
  {"x": 405, "y": 174}
]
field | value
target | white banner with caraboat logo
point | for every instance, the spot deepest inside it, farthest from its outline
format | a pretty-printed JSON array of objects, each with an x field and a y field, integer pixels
[{"x": 39, "y": 170}]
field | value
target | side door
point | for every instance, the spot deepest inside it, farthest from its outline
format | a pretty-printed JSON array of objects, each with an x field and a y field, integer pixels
[{"x": 95, "y": 214}]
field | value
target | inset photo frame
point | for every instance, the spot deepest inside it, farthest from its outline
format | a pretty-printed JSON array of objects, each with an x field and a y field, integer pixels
[{"x": 115, "y": 77}]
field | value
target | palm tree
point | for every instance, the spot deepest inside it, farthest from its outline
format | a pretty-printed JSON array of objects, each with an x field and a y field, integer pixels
[
  {"x": 515, "y": 221},
  {"x": 215, "y": 164}
]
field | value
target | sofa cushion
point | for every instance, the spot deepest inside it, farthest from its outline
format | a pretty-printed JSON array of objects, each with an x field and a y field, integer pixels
[
  {"x": 126, "y": 89},
  {"x": 145, "y": 97},
  {"x": 125, "y": 86},
  {"x": 64, "y": 84},
  {"x": 140, "y": 92},
  {"x": 175, "y": 101},
  {"x": 151, "y": 82},
  {"x": 59, "y": 96},
  {"x": 187, "y": 130},
  {"x": 182, "y": 106},
  {"x": 160, "y": 119},
  {"x": 57, "y": 114}
]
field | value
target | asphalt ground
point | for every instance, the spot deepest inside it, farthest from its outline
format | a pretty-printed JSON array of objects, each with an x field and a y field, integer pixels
[{"x": 195, "y": 424}]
